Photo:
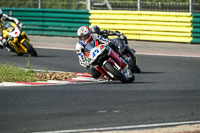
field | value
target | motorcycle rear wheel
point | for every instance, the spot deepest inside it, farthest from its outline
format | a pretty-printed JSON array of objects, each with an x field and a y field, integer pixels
[
  {"x": 30, "y": 49},
  {"x": 117, "y": 74}
]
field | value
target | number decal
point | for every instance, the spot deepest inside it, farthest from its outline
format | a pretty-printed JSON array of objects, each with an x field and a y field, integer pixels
[{"x": 96, "y": 51}]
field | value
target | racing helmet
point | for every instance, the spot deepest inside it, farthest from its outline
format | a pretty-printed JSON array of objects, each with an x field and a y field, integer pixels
[
  {"x": 95, "y": 29},
  {"x": 84, "y": 34}
]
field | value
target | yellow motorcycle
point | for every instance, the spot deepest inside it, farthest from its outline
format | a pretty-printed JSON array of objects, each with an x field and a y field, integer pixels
[{"x": 17, "y": 40}]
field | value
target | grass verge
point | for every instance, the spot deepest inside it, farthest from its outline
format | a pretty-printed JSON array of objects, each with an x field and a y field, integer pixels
[{"x": 12, "y": 73}]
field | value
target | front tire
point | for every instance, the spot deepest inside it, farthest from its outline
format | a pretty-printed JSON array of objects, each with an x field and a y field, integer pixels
[
  {"x": 134, "y": 68},
  {"x": 20, "y": 54},
  {"x": 132, "y": 61},
  {"x": 30, "y": 49},
  {"x": 117, "y": 74}
]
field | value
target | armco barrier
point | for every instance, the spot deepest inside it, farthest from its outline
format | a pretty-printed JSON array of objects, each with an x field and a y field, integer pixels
[
  {"x": 50, "y": 21},
  {"x": 145, "y": 25}
]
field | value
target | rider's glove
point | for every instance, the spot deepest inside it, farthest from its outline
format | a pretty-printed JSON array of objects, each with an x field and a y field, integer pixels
[
  {"x": 117, "y": 33},
  {"x": 20, "y": 25},
  {"x": 84, "y": 64},
  {"x": 122, "y": 36},
  {"x": 107, "y": 43}
]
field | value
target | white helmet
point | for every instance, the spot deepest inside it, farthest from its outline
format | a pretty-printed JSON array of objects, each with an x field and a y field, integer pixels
[{"x": 84, "y": 34}]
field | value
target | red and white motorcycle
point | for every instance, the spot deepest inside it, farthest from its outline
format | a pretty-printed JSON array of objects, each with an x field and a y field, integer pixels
[{"x": 108, "y": 62}]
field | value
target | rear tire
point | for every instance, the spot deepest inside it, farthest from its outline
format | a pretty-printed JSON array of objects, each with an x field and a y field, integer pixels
[
  {"x": 117, "y": 74},
  {"x": 30, "y": 49}
]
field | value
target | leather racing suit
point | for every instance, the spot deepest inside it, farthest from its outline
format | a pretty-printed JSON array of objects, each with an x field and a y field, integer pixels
[
  {"x": 80, "y": 46},
  {"x": 2, "y": 24}
]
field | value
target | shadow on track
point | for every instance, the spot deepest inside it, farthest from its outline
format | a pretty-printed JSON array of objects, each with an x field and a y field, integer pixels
[
  {"x": 118, "y": 82},
  {"x": 46, "y": 56},
  {"x": 26, "y": 55},
  {"x": 152, "y": 72}
]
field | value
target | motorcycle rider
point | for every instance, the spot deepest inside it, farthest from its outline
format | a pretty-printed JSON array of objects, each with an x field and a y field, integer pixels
[
  {"x": 3, "y": 19},
  {"x": 103, "y": 35},
  {"x": 85, "y": 37},
  {"x": 106, "y": 33}
]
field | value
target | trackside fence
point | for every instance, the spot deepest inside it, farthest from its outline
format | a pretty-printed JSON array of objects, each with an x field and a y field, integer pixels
[
  {"x": 54, "y": 22},
  {"x": 195, "y": 28},
  {"x": 136, "y": 25},
  {"x": 147, "y": 25}
]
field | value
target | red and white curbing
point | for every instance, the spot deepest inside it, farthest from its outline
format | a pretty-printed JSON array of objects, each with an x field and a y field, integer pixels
[{"x": 80, "y": 79}]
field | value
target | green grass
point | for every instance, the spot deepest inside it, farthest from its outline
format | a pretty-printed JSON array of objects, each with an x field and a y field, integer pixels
[{"x": 12, "y": 73}]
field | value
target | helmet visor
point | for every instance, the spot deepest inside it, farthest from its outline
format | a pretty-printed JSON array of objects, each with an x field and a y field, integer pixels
[{"x": 84, "y": 37}]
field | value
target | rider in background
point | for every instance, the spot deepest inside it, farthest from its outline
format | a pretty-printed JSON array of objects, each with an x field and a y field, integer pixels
[
  {"x": 3, "y": 18},
  {"x": 106, "y": 33},
  {"x": 118, "y": 45},
  {"x": 85, "y": 37},
  {"x": 103, "y": 35}
]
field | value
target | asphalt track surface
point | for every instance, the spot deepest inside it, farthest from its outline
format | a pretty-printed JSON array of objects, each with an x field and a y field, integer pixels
[{"x": 167, "y": 90}]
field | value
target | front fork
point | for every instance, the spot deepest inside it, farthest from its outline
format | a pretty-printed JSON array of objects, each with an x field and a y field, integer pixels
[
  {"x": 18, "y": 45},
  {"x": 26, "y": 37}
]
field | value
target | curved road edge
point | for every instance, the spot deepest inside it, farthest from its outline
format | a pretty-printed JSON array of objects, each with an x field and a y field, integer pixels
[{"x": 141, "y": 47}]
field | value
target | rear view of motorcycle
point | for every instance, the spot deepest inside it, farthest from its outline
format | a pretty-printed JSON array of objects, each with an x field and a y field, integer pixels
[
  {"x": 127, "y": 53},
  {"x": 108, "y": 62},
  {"x": 17, "y": 40}
]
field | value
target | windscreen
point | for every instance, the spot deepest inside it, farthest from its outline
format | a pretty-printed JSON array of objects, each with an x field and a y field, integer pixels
[{"x": 90, "y": 46}]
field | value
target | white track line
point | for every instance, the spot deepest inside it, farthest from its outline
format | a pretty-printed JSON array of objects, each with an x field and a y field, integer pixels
[
  {"x": 59, "y": 48},
  {"x": 124, "y": 127},
  {"x": 137, "y": 53},
  {"x": 174, "y": 55}
]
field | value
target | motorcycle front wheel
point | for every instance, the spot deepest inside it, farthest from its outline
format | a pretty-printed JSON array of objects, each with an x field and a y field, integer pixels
[
  {"x": 117, "y": 74},
  {"x": 30, "y": 49},
  {"x": 133, "y": 61},
  {"x": 134, "y": 68}
]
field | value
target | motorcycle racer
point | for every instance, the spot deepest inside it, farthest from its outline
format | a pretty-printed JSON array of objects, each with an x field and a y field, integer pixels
[
  {"x": 105, "y": 33},
  {"x": 86, "y": 41},
  {"x": 85, "y": 37},
  {"x": 3, "y": 18}
]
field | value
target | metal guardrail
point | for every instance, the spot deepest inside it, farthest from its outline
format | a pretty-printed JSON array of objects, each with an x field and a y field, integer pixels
[
  {"x": 133, "y": 5},
  {"x": 144, "y": 5}
]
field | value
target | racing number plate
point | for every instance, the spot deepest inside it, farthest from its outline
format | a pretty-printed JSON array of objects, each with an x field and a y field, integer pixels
[{"x": 95, "y": 53}]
